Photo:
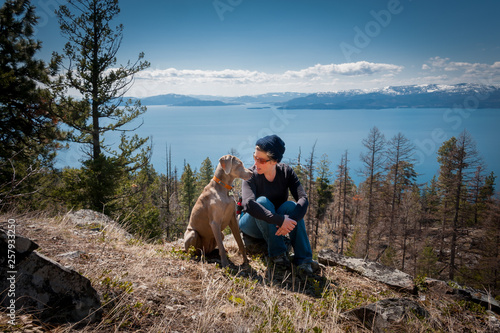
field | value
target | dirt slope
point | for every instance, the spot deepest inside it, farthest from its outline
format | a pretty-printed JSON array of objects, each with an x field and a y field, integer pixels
[{"x": 156, "y": 288}]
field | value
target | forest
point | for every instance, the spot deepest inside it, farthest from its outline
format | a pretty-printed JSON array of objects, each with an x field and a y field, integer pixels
[{"x": 448, "y": 228}]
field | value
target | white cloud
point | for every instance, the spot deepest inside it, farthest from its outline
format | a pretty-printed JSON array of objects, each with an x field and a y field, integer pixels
[
  {"x": 240, "y": 82},
  {"x": 317, "y": 78},
  {"x": 349, "y": 69},
  {"x": 465, "y": 71}
]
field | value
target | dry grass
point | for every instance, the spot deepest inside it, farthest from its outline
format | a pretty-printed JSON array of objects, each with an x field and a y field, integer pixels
[{"x": 155, "y": 288}]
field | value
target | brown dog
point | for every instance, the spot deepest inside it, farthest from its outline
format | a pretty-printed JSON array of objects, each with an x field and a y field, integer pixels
[{"x": 215, "y": 209}]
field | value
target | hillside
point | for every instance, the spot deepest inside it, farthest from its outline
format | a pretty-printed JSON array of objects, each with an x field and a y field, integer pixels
[{"x": 156, "y": 288}]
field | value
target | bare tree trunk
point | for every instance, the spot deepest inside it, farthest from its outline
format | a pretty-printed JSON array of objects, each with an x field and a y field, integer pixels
[
  {"x": 310, "y": 171},
  {"x": 95, "y": 88},
  {"x": 453, "y": 244},
  {"x": 344, "y": 199},
  {"x": 443, "y": 230}
]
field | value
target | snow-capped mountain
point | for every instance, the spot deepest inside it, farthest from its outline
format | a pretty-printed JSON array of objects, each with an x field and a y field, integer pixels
[{"x": 465, "y": 95}]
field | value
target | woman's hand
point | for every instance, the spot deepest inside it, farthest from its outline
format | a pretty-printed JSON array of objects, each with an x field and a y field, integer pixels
[{"x": 287, "y": 226}]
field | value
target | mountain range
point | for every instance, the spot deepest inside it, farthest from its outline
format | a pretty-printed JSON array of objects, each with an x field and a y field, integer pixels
[
  {"x": 180, "y": 100},
  {"x": 464, "y": 95},
  {"x": 208, "y": 100}
]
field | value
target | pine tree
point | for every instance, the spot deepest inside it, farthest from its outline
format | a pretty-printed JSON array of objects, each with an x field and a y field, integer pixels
[
  {"x": 427, "y": 262},
  {"x": 430, "y": 202},
  {"x": 409, "y": 215},
  {"x": 300, "y": 170},
  {"x": 489, "y": 265},
  {"x": 457, "y": 158},
  {"x": 399, "y": 154},
  {"x": 482, "y": 189},
  {"x": 373, "y": 161},
  {"x": 323, "y": 192},
  {"x": 27, "y": 129},
  {"x": 345, "y": 186},
  {"x": 205, "y": 174},
  {"x": 89, "y": 67},
  {"x": 475, "y": 185},
  {"x": 139, "y": 203},
  {"x": 188, "y": 190}
]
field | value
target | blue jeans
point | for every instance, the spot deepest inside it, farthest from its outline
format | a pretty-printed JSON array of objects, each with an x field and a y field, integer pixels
[{"x": 276, "y": 244}]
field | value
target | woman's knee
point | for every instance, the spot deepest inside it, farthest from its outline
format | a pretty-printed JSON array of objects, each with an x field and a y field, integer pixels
[
  {"x": 264, "y": 201},
  {"x": 287, "y": 208}
]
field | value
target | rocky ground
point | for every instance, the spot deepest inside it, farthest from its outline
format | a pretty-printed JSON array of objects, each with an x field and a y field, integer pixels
[{"x": 156, "y": 288}]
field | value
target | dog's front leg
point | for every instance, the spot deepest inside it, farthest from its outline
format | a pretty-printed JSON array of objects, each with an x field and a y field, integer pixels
[
  {"x": 218, "y": 238},
  {"x": 233, "y": 225}
]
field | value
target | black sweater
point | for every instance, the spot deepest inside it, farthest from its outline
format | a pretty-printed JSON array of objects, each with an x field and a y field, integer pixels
[{"x": 277, "y": 192}]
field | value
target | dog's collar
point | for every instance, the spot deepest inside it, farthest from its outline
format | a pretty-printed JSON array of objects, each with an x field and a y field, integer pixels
[{"x": 218, "y": 181}]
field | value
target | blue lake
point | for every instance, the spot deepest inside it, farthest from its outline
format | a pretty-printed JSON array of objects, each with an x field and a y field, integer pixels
[{"x": 195, "y": 133}]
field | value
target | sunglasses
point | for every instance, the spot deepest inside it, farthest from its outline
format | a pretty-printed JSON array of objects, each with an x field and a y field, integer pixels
[{"x": 259, "y": 160}]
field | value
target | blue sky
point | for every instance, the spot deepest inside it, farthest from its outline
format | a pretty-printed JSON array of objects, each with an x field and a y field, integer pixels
[{"x": 244, "y": 47}]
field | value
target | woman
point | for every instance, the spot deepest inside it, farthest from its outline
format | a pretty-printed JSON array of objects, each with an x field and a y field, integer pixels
[{"x": 267, "y": 213}]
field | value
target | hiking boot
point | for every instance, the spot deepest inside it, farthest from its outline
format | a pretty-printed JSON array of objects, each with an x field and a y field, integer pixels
[
  {"x": 315, "y": 266},
  {"x": 254, "y": 245},
  {"x": 305, "y": 268},
  {"x": 281, "y": 260}
]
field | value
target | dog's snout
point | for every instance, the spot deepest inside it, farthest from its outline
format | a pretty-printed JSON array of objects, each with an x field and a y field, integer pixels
[{"x": 248, "y": 174}]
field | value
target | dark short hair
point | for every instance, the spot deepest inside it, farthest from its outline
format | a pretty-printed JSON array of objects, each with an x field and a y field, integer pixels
[{"x": 273, "y": 146}]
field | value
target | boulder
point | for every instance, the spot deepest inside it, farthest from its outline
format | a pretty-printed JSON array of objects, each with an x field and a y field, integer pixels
[
  {"x": 254, "y": 245},
  {"x": 383, "y": 315},
  {"x": 479, "y": 297},
  {"x": 438, "y": 286},
  {"x": 71, "y": 255},
  {"x": 89, "y": 219},
  {"x": 42, "y": 287},
  {"x": 23, "y": 246},
  {"x": 464, "y": 293},
  {"x": 493, "y": 322},
  {"x": 370, "y": 269}
]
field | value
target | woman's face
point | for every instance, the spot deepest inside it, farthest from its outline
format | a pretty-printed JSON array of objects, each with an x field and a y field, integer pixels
[{"x": 262, "y": 162}]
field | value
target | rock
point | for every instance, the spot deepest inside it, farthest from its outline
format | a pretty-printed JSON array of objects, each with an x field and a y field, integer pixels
[
  {"x": 254, "y": 245},
  {"x": 88, "y": 217},
  {"x": 370, "y": 269},
  {"x": 493, "y": 322},
  {"x": 382, "y": 315},
  {"x": 95, "y": 221},
  {"x": 464, "y": 293},
  {"x": 479, "y": 297},
  {"x": 23, "y": 246},
  {"x": 71, "y": 255},
  {"x": 44, "y": 288},
  {"x": 438, "y": 286}
]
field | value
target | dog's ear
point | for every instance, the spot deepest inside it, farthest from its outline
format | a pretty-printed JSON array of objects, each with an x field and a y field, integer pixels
[{"x": 226, "y": 162}]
